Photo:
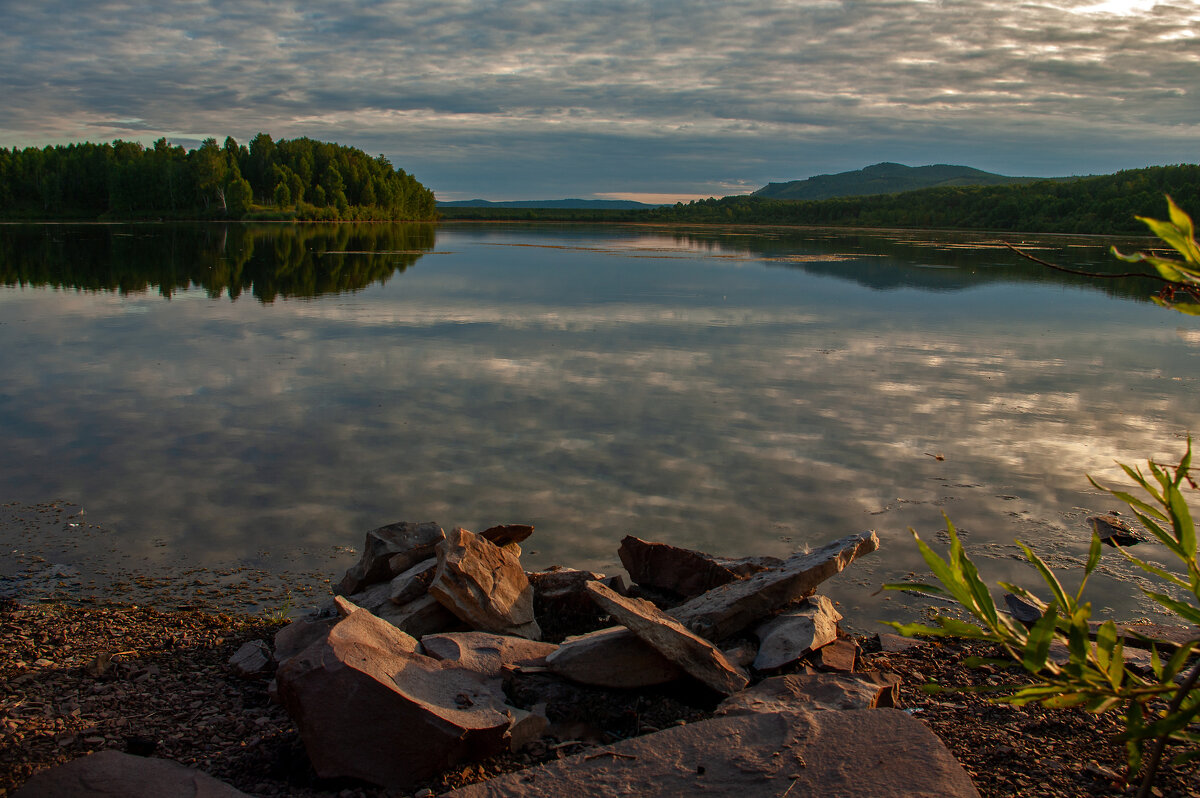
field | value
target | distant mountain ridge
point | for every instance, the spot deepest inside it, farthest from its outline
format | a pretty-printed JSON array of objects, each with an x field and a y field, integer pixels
[
  {"x": 886, "y": 178},
  {"x": 619, "y": 205}
]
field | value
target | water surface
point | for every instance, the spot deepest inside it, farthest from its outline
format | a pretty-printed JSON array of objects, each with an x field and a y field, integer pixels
[{"x": 262, "y": 395}]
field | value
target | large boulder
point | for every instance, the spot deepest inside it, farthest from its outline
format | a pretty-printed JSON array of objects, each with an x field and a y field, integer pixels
[
  {"x": 112, "y": 774},
  {"x": 369, "y": 707},
  {"x": 484, "y": 585},
  {"x": 869, "y": 753},
  {"x": 390, "y": 550},
  {"x": 795, "y": 632},
  {"x": 730, "y": 608},
  {"x": 696, "y": 656},
  {"x": 612, "y": 657}
]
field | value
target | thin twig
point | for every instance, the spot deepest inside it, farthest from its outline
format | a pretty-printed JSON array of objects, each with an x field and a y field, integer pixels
[{"x": 1056, "y": 267}]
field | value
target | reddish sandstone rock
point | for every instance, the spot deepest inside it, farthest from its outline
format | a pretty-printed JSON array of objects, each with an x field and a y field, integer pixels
[
  {"x": 370, "y": 708},
  {"x": 699, "y": 658},
  {"x": 390, "y": 550},
  {"x": 112, "y": 774},
  {"x": 612, "y": 657},
  {"x": 730, "y": 608},
  {"x": 484, "y": 585},
  {"x": 870, "y": 753},
  {"x": 794, "y": 633},
  {"x": 485, "y": 653}
]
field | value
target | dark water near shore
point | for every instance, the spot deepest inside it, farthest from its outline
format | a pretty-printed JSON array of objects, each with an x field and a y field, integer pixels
[{"x": 262, "y": 395}]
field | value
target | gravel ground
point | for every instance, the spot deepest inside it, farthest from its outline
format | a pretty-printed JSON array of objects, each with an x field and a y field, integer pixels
[{"x": 169, "y": 691}]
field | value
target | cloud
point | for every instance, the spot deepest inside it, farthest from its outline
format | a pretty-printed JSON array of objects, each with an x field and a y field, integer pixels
[{"x": 529, "y": 96}]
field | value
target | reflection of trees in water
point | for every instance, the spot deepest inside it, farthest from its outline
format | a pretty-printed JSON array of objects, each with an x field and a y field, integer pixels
[
  {"x": 269, "y": 261},
  {"x": 929, "y": 262}
]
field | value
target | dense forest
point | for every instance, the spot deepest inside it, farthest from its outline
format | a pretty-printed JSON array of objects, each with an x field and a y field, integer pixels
[
  {"x": 1103, "y": 205},
  {"x": 286, "y": 179}
]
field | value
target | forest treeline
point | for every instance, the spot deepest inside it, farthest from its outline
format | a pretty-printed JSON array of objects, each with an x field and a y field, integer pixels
[
  {"x": 1102, "y": 205},
  {"x": 298, "y": 179}
]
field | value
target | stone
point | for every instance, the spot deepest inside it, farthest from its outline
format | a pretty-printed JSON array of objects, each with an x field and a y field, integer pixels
[
  {"x": 891, "y": 644},
  {"x": 252, "y": 659},
  {"x": 372, "y": 597},
  {"x": 840, "y": 656},
  {"x": 613, "y": 657},
  {"x": 390, "y": 550},
  {"x": 527, "y": 726},
  {"x": 866, "y": 753},
  {"x": 507, "y": 534},
  {"x": 369, "y": 707},
  {"x": 833, "y": 691},
  {"x": 299, "y": 635},
  {"x": 413, "y": 583},
  {"x": 484, "y": 585},
  {"x": 1115, "y": 530},
  {"x": 486, "y": 653},
  {"x": 112, "y": 774},
  {"x": 423, "y": 616},
  {"x": 683, "y": 572},
  {"x": 889, "y": 684},
  {"x": 795, "y": 632},
  {"x": 560, "y": 603},
  {"x": 1023, "y": 610},
  {"x": 696, "y": 656},
  {"x": 742, "y": 654},
  {"x": 728, "y": 609}
]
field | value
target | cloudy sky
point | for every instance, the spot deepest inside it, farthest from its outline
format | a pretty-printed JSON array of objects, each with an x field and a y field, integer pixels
[{"x": 536, "y": 99}]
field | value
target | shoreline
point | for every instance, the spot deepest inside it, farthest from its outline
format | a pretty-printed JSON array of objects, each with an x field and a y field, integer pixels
[{"x": 170, "y": 692}]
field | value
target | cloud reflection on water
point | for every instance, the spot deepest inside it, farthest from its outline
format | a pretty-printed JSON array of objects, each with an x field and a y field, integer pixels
[{"x": 742, "y": 412}]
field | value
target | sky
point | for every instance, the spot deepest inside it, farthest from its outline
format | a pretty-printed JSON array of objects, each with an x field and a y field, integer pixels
[{"x": 652, "y": 100}]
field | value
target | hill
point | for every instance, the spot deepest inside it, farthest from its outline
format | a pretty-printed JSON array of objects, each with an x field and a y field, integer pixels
[
  {"x": 1101, "y": 205},
  {"x": 885, "y": 178},
  {"x": 617, "y": 205}
]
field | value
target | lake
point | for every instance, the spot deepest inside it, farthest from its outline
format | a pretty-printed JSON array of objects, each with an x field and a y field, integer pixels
[{"x": 239, "y": 400}]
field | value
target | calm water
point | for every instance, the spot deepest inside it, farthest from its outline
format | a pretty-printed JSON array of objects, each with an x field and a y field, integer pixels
[{"x": 262, "y": 396}]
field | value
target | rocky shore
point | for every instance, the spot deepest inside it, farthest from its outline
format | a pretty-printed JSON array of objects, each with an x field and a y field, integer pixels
[{"x": 195, "y": 687}]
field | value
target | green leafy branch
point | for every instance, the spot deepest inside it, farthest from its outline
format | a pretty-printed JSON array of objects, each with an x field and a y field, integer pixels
[
  {"x": 1182, "y": 276},
  {"x": 1162, "y": 708}
]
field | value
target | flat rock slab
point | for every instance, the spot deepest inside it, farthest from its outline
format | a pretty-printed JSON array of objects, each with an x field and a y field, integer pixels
[
  {"x": 484, "y": 585},
  {"x": 699, "y": 658},
  {"x": 730, "y": 608},
  {"x": 389, "y": 550},
  {"x": 794, "y": 633},
  {"x": 613, "y": 657},
  {"x": 832, "y": 691},
  {"x": 863, "y": 753},
  {"x": 112, "y": 773},
  {"x": 486, "y": 653}
]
